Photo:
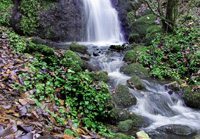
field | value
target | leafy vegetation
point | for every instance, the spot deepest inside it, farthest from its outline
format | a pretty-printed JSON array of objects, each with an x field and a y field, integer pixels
[
  {"x": 55, "y": 77},
  {"x": 5, "y": 11},
  {"x": 175, "y": 55},
  {"x": 31, "y": 14}
]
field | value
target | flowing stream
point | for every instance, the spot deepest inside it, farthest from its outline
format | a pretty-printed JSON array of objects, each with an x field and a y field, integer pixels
[{"x": 154, "y": 103}]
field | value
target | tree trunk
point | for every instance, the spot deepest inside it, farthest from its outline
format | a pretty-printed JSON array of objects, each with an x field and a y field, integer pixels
[{"x": 171, "y": 15}]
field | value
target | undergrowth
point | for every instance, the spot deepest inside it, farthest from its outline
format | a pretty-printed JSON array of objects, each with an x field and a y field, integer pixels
[{"x": 57, "y": 77}]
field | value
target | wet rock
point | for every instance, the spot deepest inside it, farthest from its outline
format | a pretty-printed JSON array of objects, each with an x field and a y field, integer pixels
[
  {"x": 131, "y": 55},
  {"x": 96, "y": 53},
  {"x": 100, "y": 76},
  {"x": 125, "y": 125},
  {"x": 118, "y": 115},
  {"x": 117, "y": 47},
  {"x": 191, "y": 96},
  {"x": 123, "y": 97},
  {"x": 142, "y": 135},
  {"x": 91, "y": 67},
  {"x": 177, "y": 129},
  {"x": 136, "y": 83},
  {"x": 120, "y": 136},
  {"x": 134, "y": 69},
  {"x": 75, "y": 47},
  {"x": 174, "y": 86}
]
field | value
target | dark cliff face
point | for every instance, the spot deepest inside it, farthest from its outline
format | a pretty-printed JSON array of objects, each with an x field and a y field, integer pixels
[{"x": 62, "y": 23}]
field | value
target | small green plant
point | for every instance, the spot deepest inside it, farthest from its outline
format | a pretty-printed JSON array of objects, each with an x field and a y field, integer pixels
[{"x": 5, "y": 11}]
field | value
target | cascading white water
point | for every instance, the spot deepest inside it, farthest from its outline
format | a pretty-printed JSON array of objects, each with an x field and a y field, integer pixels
[
  {"x": 102, "y": 22},
  {"x": 154, "y": 103}
]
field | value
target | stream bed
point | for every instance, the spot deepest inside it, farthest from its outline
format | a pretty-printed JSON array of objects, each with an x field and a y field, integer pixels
[{"x": 167, "y": 114}]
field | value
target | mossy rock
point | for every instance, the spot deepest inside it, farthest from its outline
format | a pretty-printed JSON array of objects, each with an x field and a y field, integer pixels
[
  {"x": 131, "y": 55},
  {"x": 134, "y": 37},
  {"x": 145, "y": 28},
  {"x": 191, "y": 96},
  {"x": 118, "y": 115},
  {"x": 125, "y": 125},
  {"x": 74, "y": 56},
  {"x": 151, "y": 34},
  {"x": 141, "y": 25},
  {"x": 134, "y": 69},
  {"x": 136, "y": 82},
  {"x": 121, "y": 136},
  {"x": 181, "y": 130},
  {"x": 74, "y": 46},
  {"x": 123, "y": 97},
  {"x": 72, "y": 61},
  {"x": 45, "y": 50},
  {"x": 100, "y": 76}
]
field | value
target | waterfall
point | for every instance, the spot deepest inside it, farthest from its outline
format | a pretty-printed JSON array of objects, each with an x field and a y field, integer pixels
[{"x": 102, "y": 22}]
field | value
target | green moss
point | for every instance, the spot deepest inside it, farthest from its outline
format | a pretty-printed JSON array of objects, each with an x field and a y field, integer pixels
[
  {"x": 131, "y": 56},
  {"x": 134, "y": 37},
  {"x": 5, "y": 11},
  {"x": 123, "y": 97},
  {"x": 134, "y": 69},
  {"x": 118, "y": 115},
  {"x": 45, "y": 50},
  {"x": 74, "y": 46},
  {"x": 142, "y": 26},
  {"x": 131, "y": 17},
  {"x": 100, "y": 76},
  {"x": 125, "y": 125},
  {"x": 121, "y": 136},
  {"x": 191, "y": 96},
  {"x": 135, "y": 82},
  {"x": 74, "y": 56},
  {"x": 31, "y": 14}
]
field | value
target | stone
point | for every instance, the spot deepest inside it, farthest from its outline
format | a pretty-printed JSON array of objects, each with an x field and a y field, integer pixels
[
  {"x": 75, "y": 47},
  {"x": 121, "y": 136},
  {"x": 177, "y": 129},
  {"x": 123, "y": 97},
  {"x": 136, "y": 82},
  {"x": 100, "y": 76},
  {"x": 118, "y": 115},
  {"x": 63, "y": 22},
  {"x": 191, "y": 96},
  {"x": 125, "y": 125},
  {"x": 134, "y": 69},
  {"x": 131, "y": 55}
]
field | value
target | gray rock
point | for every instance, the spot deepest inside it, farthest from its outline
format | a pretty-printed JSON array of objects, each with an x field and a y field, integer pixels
[{"x": 123, "y": 97}]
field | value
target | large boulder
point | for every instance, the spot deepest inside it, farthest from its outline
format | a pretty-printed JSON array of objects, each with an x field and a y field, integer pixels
[
  {"x": 100, "y": 76},
  {"x": 145, "y": 27},
  {"x": 136, "y": 83},
  {"x": 134, "y": 69},
  {"x": 72, "y": 60},
  {"x": 131, "y": 55},
  {"x": 74, "y": 46},
  {"x": 125, "y": 125},
  {"x": 59, "y": 21},
  {"x": 118, "y": 115},
  {"x": 191, "y": 96},
  {"x": 123, "y": 97},
  {"x": 173, "y": 132}
]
